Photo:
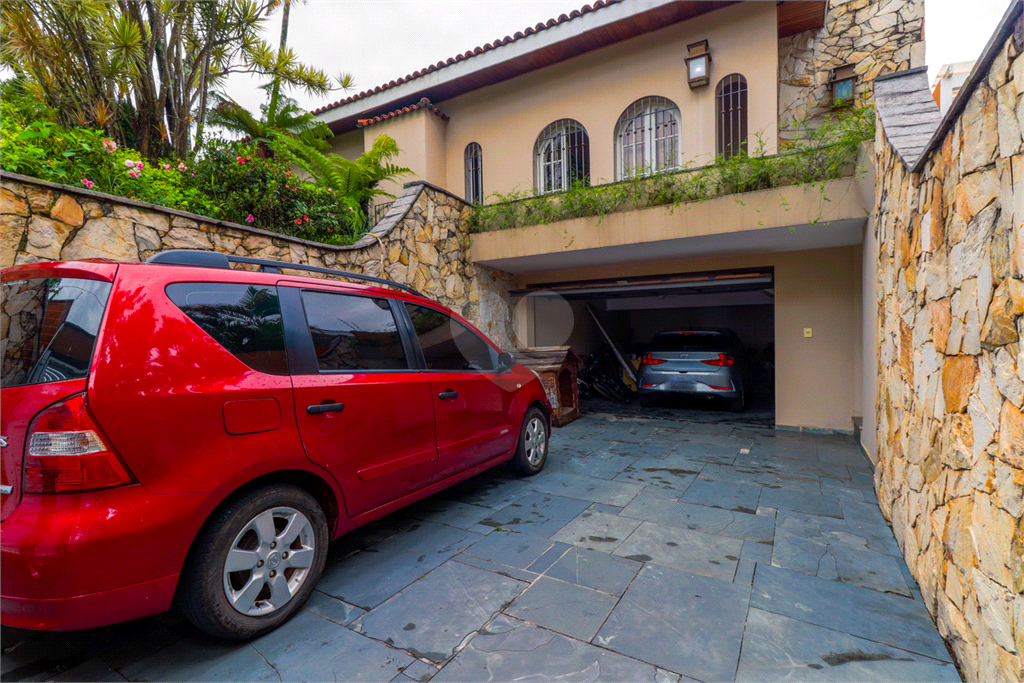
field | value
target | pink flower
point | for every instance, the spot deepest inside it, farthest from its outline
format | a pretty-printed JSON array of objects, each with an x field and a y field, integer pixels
[
  {"x": 305, "y": 218},
  {"x": 193, "y": 175},
  {"x": 110, "y": 146},
  {"x": 129, "y": 163},
  {"x": 140, "y": 164},
  {"x": 298, "y": 221},
  {"x": 167, "y": 167},
  {"x": 181, "y": 166},
  {"x": 249, "y": 218},
  {"x": 133, "y": 173},
  {"x": 88, "y": 183},
  {"x": 241, "y": 160}
]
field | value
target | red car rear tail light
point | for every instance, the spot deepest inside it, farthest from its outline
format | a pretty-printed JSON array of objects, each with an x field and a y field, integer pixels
[
  {"x": 651, "y": 360},
  {"x": 724, "y": 360},
  {"x": 67, "y": 454}
]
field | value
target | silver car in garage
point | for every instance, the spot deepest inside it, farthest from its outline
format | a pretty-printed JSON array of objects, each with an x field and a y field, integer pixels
[{"x": 710, "y": 362}]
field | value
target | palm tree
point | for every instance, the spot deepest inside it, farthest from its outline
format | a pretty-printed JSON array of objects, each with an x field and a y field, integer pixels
[
  {"x": 145, "y": 65},
  {"x": 285, "y": 129}
]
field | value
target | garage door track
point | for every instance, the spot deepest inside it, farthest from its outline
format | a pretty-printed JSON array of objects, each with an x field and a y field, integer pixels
[{"x": 648, "y": 550}]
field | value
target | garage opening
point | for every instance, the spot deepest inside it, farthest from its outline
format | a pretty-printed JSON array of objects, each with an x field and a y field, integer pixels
[{"x": 632, "y": 311}]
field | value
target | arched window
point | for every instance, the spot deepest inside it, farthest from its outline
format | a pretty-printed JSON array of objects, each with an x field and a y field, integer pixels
[
  {"x": 647, "y": 138},
  {"x": 561, "y": 157},
  {"x": 731, "y": 127},
  {"x": 474, "y": 157}
]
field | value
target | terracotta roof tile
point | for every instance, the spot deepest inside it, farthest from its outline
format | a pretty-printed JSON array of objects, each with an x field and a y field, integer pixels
[
  {"x": 586, "y": 9},
  {"x": 422, "y": 104}
]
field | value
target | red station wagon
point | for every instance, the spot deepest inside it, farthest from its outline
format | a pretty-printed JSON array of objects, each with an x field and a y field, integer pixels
[{"x": 182, "y": 430}]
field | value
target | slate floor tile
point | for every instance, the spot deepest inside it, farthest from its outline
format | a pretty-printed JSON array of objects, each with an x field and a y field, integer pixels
[
  {"x": 799, "y": 501},
  {"x": 585, "y": 488},
  {"x": 777, "y": 648},
  {"x": 867, "y": 528},
  {"x": 840, "y": 489},
  {"x": 593, "y": 569},
  {"x": 91, "y": 670},
  {"x": 691, "y": 551},
  {"x": 501, "y": 569},
  {"x": 721, "y": 455},
  {"x": 702, "y": 518},
  {"x": 563, "y": 607},
  {"x": 587, "y": 465},
  {"x": 744, "y": 572},
  {"x": 688, "y": 624},
  {"x": 627, "y": 449},
  {"x": 539, "y": 514},
  {"x": 420, "y": 671},
  {"x": 867, "y": 569},
  {"x": 338, "y": 611},
  {"x": 719, "y": 494},
  {"x": 202, "y": 659},
  {"x": 371, "y": 576},
  {"x": 597, "y": 531},
  {"x": 857, "y": 611},
  {"x": 510, "y": 650},
  {"x": 310, "y": 648},
  {"x": 449, "y": 512},
  {"x": 486, "y": 490},
  {"x": 673, "y": 472},
  {"x": 512, "y": 548},
  {"x": 433, "y": 616}
]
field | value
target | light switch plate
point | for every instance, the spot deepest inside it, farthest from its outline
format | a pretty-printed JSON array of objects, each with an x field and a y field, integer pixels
[{"x": 808, "y": 333}]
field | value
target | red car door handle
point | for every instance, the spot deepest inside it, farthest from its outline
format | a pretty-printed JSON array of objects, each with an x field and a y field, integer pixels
[
  {"x": 450, "y": 393},
  {"x": 325, "y": 408}
]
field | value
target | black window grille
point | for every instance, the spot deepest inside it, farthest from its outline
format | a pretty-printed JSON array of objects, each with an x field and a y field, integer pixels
[
  {"x": 474, "y": 158},
  {"x": 561, "y": 157},
  {"x": 731, "y": 128},
  {"x": 647, "y": 138}
]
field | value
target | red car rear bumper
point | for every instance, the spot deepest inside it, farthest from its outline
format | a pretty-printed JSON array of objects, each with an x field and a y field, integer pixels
[
  {"x": 90, "y": 559},
  {"x": 92, "y": 609}
]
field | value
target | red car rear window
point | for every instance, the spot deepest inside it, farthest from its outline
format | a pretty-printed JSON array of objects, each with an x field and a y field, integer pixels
[{"x": 49, "y": 328}]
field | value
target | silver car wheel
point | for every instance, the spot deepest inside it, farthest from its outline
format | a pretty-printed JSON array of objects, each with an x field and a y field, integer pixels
[
  {"x": 269, "y": 561},
  {"x": 536, "y": 441}
]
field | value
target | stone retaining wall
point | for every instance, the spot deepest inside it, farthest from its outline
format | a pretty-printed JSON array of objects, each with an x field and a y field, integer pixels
[
  {"x": 951, "y": 372},
  {"x": 423, "y": 238},
  {"x": 878, "y": 36}
]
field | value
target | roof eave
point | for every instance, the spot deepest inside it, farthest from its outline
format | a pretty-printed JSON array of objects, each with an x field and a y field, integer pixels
[{"x": 343, "y": 117}]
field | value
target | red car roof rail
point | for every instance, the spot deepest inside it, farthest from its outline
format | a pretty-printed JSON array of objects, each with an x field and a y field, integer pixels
[{"x": 215, "y": 259}]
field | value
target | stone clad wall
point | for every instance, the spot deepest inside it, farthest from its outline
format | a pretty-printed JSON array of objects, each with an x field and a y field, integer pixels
[
  {"x": 879, "y": 36},
  {"x": 423, "y": 237},
  {"x": 951, "y": 372}
]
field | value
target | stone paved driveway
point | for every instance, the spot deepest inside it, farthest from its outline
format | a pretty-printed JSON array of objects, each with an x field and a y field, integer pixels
[{"x": 648, "y": 550}]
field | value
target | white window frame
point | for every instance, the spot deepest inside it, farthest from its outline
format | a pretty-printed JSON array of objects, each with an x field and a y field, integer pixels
[
  {"x": 552, "y": 156},
  {"x": 640, "y": 150}
]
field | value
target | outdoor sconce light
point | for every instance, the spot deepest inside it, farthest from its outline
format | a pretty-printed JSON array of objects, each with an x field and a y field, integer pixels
[
  {"x": 698, "y": 64},
  {"x": 842, "y": 79}
]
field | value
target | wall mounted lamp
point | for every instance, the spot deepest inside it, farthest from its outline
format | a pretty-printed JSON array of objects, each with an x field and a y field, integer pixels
[{"x": 698, "y": 64}]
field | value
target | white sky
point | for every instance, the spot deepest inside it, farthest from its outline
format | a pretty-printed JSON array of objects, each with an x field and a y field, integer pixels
[{"x": 380, "y": 40}]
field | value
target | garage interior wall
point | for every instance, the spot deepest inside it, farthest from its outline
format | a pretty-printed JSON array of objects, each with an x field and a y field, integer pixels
[{"x": 819, "y": 379}]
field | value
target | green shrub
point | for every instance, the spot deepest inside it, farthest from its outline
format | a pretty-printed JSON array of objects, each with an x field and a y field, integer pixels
[{"x": 265, "y": 193}]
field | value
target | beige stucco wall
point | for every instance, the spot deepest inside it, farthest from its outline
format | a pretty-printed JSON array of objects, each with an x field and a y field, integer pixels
[
  {"x": 348, "y": 145},
  {"x": 420, "y": 135},
  {"x": 816, "y": 378},
  {"x": 796, "y": 205},
  {"x": 595, "y": 88}
]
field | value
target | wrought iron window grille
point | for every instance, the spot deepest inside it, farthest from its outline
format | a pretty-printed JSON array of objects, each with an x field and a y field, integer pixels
[
  {"x": 561, "y": 157},
  {"x": 647, "y": 138},
  {"x": 731, "y": 124},
  {"x": 474, "y": 166}
]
